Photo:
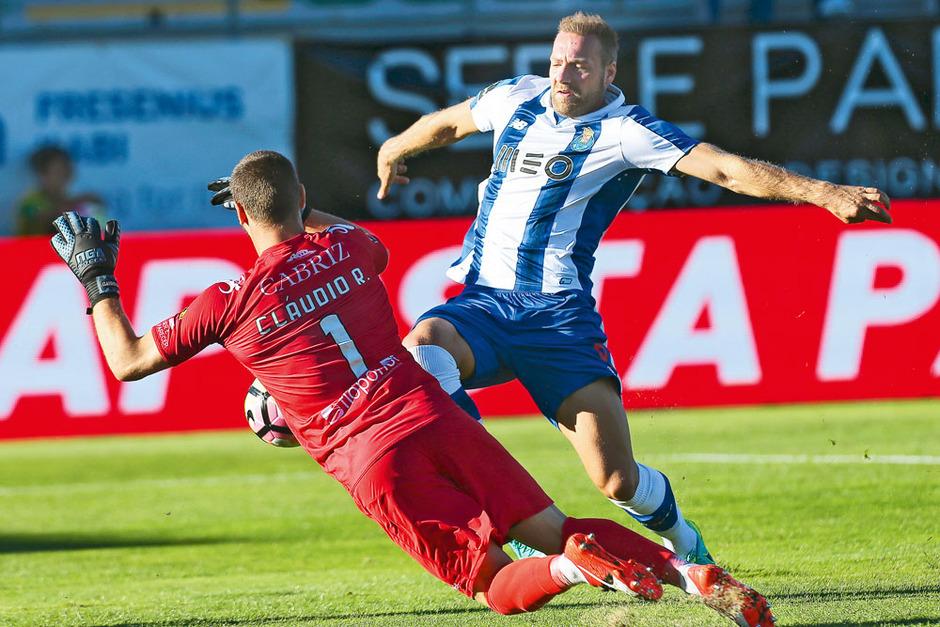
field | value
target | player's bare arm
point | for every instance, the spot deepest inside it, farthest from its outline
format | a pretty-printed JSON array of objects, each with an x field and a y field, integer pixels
[
  {"x": 92, "y": 258},
  {"x": 433, "y": 130},
  {"x": 130, "y": 357},
  {"x": 849, "y": 203}
]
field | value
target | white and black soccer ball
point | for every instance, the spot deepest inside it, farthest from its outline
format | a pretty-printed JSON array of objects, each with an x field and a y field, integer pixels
[{"x": 265, "y": 417}]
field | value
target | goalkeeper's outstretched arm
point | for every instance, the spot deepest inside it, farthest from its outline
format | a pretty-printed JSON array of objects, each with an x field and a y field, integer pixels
[
  {"x": 92, "y": 259},
  {"x": 130, "y": 357}
]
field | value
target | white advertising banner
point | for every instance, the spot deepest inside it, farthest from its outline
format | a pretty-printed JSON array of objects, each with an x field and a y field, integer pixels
[{"x": 148, "y": 123}]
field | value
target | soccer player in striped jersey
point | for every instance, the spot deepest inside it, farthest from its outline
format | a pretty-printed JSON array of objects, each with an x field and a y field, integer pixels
[
  {"x": 312, "y": 321},
  {"x": 568, "y": 152}
]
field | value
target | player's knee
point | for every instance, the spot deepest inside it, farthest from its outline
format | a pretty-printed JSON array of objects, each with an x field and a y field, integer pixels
[
  {"x": 440, "y": 332},
  {"x": 619, "y": 485},
  {"x": 431, "y": 331},
  {"x": 495, "y": 560}
]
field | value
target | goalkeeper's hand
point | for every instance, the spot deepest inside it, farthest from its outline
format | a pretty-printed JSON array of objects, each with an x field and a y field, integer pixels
[
  {"x": 222, "y": 193},
  {"x": 91, "y": 258}
]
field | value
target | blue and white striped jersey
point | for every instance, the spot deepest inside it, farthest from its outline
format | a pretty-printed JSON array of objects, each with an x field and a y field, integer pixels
[{"x": 556, "y": 184}]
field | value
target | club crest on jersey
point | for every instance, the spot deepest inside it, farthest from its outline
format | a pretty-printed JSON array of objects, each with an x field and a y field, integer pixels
[
  {"x": 585, "y": 140},
  {"x": 232, "y": 285},
  {"x": 519, "y": 124}
]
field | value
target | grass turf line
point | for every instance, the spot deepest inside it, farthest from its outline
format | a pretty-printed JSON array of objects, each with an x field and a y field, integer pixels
[{"x": 219, "y": 529}]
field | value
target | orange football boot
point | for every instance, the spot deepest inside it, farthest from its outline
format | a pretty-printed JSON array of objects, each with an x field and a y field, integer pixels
[
  {"x": 603, "y": 570},
  {"x": 729, "y": 597}
]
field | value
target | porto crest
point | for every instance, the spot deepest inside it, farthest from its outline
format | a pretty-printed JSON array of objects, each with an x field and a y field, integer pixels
[{"x": 585, "y": 140}]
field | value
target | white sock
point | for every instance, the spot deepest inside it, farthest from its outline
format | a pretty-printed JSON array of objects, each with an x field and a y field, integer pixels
[
  {"x": 438, "y": 363},
  {"x": 564, "y": 571},
  {"x": 651, "y": 492}
]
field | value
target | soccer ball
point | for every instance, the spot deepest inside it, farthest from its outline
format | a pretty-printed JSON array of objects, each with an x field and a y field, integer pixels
[{"x": 265, "y": 417}]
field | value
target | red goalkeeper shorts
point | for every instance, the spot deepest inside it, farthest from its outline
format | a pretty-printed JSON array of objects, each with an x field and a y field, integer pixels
[{"x": 445, "y": 492}]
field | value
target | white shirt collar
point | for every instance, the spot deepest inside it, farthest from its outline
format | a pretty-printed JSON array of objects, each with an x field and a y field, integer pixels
[{"x": 613, "y": 98}]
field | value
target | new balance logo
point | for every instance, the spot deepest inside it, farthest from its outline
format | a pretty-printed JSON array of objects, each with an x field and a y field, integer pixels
[{"x": 519, "y": 124}]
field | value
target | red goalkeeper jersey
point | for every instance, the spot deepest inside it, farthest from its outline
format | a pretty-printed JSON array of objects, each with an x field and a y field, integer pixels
[{"x": 312, "y": 321}]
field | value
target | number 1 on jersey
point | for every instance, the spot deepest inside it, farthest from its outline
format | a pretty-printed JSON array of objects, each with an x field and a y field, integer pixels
[{"x": 332, "y": 326}]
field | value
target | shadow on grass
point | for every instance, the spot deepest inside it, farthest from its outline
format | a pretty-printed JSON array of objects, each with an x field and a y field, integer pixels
[
  {"x": 871, "y": 594},
  {"x": 874, "y": 593},
  {"x": 290, "y": 620},
  {"x": 449, "y": 612},
  {"x": 42, "y": 542}
]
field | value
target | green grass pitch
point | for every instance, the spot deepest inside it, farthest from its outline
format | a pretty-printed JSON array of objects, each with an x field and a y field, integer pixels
[{"x": 220, "y": 529}]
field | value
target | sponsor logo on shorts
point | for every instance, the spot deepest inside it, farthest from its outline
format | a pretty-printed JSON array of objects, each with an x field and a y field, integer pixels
[{"x": 602, "y": 352}]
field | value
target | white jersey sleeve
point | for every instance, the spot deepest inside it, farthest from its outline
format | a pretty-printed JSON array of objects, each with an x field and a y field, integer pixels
[
  {"x": 650, "y": 143},
  {"x": 495, "y": 104}
]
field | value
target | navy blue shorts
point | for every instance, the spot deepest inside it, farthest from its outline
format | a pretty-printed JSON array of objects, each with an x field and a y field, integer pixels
[{"x": 553, "y": 343}]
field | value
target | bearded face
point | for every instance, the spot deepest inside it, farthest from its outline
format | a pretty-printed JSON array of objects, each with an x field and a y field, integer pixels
[{"x": 579, "y": 74}]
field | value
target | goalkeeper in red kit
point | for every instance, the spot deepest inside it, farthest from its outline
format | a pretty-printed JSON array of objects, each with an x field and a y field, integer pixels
[{"x": 312, "y": 321}]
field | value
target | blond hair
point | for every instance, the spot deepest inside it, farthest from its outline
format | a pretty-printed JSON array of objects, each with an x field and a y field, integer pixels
[{"x": 585, "y": 24}]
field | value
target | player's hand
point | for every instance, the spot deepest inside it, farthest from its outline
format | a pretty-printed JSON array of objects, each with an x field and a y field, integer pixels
[
  {"x": 91, "y": 258},
  {"x": 391, "y": 170},
  {"x": 853, "y": 204},
  {"x": 222, "y": 193}
]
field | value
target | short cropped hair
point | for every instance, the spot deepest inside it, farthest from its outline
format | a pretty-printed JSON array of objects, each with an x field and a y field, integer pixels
[
  {"x": 45, "y": 156},
  {"x": 584, "y": 24},
  {"x": 265, "y": 184}
]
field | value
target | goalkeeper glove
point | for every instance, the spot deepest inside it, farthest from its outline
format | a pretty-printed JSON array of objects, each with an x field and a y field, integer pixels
[
  {"x": 90, "y": 258},
  {"x": 222, "y": 193}
]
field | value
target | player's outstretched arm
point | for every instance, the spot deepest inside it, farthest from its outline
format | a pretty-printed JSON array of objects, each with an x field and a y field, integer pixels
[
  {"x": 130, "y": 357},
  {"x": 433, "y": 130},
  {"x": 849, "y": 203},
  {"x": 92, "y": 259}
]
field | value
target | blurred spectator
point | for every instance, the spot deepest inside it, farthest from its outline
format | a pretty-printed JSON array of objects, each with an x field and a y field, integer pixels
[{"x": 54, "y": 172}]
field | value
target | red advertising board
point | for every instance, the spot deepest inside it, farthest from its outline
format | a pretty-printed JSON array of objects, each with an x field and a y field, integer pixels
[{"x": 705, "y": 307}]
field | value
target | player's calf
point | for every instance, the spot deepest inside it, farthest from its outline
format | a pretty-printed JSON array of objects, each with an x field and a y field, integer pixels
[{"x": 654, "y": 506}]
